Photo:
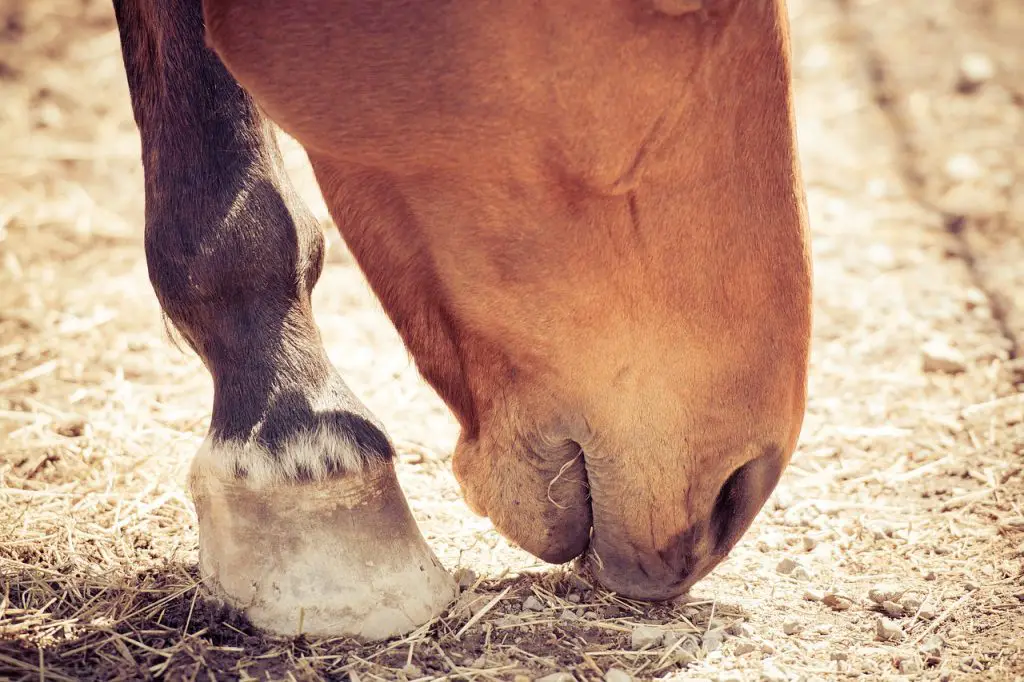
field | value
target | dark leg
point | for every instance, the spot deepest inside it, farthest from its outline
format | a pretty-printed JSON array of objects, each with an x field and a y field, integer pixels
[{"x": 295, "y": 484}]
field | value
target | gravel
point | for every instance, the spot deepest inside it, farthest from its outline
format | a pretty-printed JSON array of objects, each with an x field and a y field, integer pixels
[
  {"x": 884, "y": 592},
  {"x": 940, "y": 357},
  {"x": 976, "y": 69},
  {"x": 910, "y": 665},
  {"x": 617, "y": 675},
  {"x": 744, "y": 647},
  {"x": 713, "y": 639},
  {"x": 888, "y": 631},
  {"x": 837, "y": 602},
  {"x": 646, "y": 637},
  {"x": 531, "y": 603},
  {"x": 557, "y": 677}
]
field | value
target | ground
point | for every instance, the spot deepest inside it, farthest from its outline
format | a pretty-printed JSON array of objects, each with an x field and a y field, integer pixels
[{"x": 893, "y": 545}]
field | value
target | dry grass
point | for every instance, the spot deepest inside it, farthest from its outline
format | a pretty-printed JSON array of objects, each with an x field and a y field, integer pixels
[{"x": 902, "y": 477}]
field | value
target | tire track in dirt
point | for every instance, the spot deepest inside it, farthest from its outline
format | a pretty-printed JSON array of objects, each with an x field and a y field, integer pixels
[{"x": 946, "y": 75}]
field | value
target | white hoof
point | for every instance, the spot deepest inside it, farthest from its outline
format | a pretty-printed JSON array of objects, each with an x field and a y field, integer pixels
[{"x": 341, "y": 557}]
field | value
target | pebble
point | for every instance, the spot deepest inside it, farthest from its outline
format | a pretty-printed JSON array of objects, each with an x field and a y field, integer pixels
[
  {"x": 930, "y": 575},
  {"x": 940, "y": 357},
  {"x": 770, "y": 542},
  {"x": 812, "y": 594},
  {"x": 569, "y": 614},
  {"x": 910, "y": 603},
  {"x": 888, "y": 631},
  {"x": 932, "y": 647},
  {"x": 773, "y": 674},
  {"x": 809, "y": 541},
  {"x": 883, "y": 593},
  {"x": 839, "y": 656},
  {"x": 713, "y": 639},
  {"x": 963, "y": 167},
  {"x": 786, "y": 566},
  {"x": 800, "y": 573},
  {"x": 837, "y": 602},
  {"x": 741, "y": 629},
  {"x": 976, "y": 69},
  {"x": 646, "y": 636},
  {"x": 557, "y": 677},
  {"x": 617, "y": 675},
  {"x": 531, "y": 603},
  {"x": 892, "y": 609},
  {"x": 927, "y": 611},
  {"x": 975, "y": 298},
  {"x": 412, "y": 671},
  {"x": 744, "y": 647},
  {"x": 910, "y": 665},
  {"x": 467, "y": 578},
  {"x": 683, "y": 657},
  {"x": 791, "y": 627}
]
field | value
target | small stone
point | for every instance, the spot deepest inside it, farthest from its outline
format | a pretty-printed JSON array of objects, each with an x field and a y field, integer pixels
[
  {"x": 771, "y": 673},
  {"x": 531, "y": 603},
  {"x": 813, "y": 594},
  {"x": 975, "y": 298},
  {"x": 791, "y": 627},
  {"x": 976, "y": 69},
  {"x": 683, "y": 657},
  {"x": 575, "y": 599},
  {"x": 617, "y": 675},
  {"x": 557, "y": 677},
  {"x": 888, "y": 631},
  {"x": 768, "y": 648},
  {"x": 479, "y": 662},
  {"x": 892, "y": 609},
  {"x": 932, "y": 647},
  {"x": 740, "y": 629},
  {"x": 744, "y": 647},
  {"x": 969, "y": 586},
  {"x": 800, "y": 573},
  {"x": 910, "y": 665},
  {"x": 927, "y": 611},
  {"x": 412, "y": 671},
  {"x": 939, "y": 357},
  {"x": 646, "y": 636},
  {"x": 963, "y": 167},
  {"x": 786, "y": 566},
  {"x": 466, "y": 577},
  {"x": 910, "y": 603},
  {"x": 713, "y": 639},
  {"x": 771, "y": 541},
  {"x": 568, "y": 614},
  {"x": 883, "y": 593},
  {"x": 930, "y": 575},
  {"x": 809, "y": 541},
  {"x": 880, "y": 529},
  {"x": 839, "y": 656},
  {"x": 837, "y": 602}
]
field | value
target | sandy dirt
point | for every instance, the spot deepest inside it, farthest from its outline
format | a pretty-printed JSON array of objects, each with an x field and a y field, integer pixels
[{"x": 892, "y": 547}]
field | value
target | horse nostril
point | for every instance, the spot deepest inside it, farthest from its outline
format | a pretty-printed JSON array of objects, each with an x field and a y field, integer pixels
[{"x": 742, "y": 496}]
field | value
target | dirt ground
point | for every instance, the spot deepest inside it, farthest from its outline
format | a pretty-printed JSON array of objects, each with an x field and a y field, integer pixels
[{"x": 893, "y": 545}]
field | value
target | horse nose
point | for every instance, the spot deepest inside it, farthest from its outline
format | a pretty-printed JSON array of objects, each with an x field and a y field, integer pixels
[{"x": 639, "y": 573}]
